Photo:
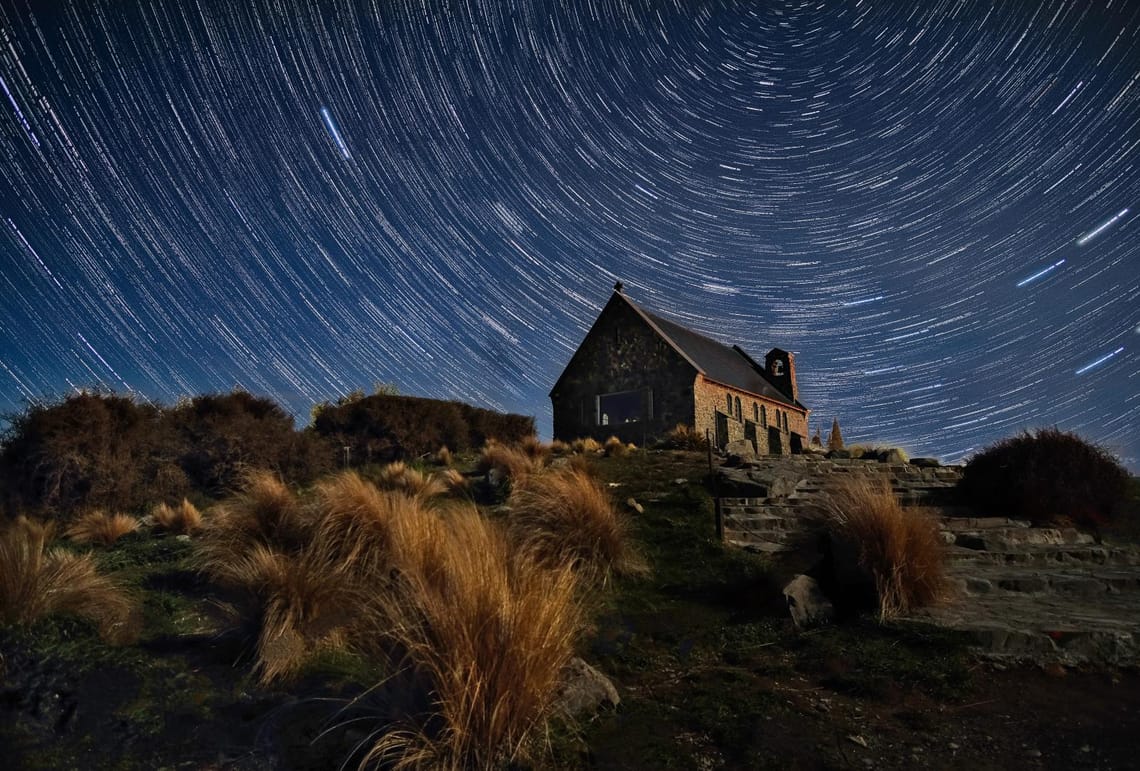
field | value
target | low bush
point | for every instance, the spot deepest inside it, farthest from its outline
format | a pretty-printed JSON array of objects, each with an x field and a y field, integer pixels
[
  {"x": 564, "y": 516},
  {"x": 901, "y": 549},
  {"x": 35, "y": 582},
  {"x": 403, "y": 478},
  {"x": 1046, "y": 476},
  {"x": 615, "y": 447},
  {"x": 586, "y": 444}
]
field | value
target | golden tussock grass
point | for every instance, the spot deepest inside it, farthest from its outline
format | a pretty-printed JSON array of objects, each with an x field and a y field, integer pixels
[
  {"x": 901, "y": 549},
  {"x": 566, "y": 517},
  {"x": 488, "y": 630},
  {"x": 457, "y": 484},
  {"x": 615, "y": 447},
  {"x": 402, "y": 477},
  {"x": 684, "y": 437},
  {"x": 585, "y": 444},
  {"x": 264, "y": 511},
  {"x": 185, "y": 518},
  {"x": 535, "y": 449},
  {"x": 512, "y": 463},
  {"x": 35, "y": 583},
  {"x": 444, "y": 457},
  {"x": 101, "y": 528},
  {"x": 559, "y": 447}
]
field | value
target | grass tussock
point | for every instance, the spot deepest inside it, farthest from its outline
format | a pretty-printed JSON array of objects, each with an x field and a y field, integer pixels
[
  {"x": 616, "y": 448},
  {"x": 560, "y": 448},
  {"x": 684, "y": 437},
  {"x": 185, "y": 518},
  {"x": 35, "y": 582},
  {"x": 457, "y": 484},
  {"x": 444, "y": 456},
  {"x": 565, "y": 517},
  {"x": 585, "y": 444},
  {"x": 510, "y": 463},
  {"x": 403, "y": 478},
  {"x": 537, "y": 451},
  {"x": 265, "y": 511},
  {"x": 901, "y": 549},
  {"x": 489, "y": 632},
  {"x": 101, "y": 528}
]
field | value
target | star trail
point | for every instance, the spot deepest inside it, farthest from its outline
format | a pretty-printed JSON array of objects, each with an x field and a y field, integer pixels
[{"x": 932, "y": 204}]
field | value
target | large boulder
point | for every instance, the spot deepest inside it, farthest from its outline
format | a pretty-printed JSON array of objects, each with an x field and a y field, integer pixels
[
  {"x": 739, "y": 452},
  {"x": 807, "y": 603},
  {"x": 755, "y": 483},
  {"x": 585, "y": 690}
]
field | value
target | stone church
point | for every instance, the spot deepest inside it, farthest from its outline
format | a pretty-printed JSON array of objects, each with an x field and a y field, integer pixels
[{"x": 636, "y": 375}]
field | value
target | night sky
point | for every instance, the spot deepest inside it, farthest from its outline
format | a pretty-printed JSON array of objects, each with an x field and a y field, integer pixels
[{"x": 935, "y": 205}]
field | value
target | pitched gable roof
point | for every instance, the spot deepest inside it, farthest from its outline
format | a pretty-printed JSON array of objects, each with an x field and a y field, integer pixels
[{"x": 730, "y": 366}]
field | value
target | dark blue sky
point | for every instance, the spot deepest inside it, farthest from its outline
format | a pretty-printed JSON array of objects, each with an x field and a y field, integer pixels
[{"x": 935, "y": 205}]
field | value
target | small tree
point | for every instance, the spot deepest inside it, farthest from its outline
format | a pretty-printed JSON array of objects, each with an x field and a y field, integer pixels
[{"x": 835, "y": 439}]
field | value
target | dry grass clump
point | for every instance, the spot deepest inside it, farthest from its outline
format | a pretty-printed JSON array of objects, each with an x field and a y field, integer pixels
[
  {"x": 565, "y": 517},
  {"x": 444, "y": 457},
  {"x": 35, "y": 583},
  {"x": 901, "y": 549},
  {"x": 535, "y": 449},
  {"x": 456, "y": 483},
  {"x": 585, "y": 444},
  {"x": 185, "y": 518},
  {"x": 403, "y": 478},
  {"x": 684, "y": 437},
  {"x": 511, "y": 463},
  {"x": 101, "y": 528},
  {"x": 559, "y": 448},
  {"x": 615, "y": 447},
  {"x": 489, "y": 632},
  {"x": 266, "y": 511}
]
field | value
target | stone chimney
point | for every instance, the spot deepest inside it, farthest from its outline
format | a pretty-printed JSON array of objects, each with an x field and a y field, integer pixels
[{"x": 780, "y": 367}]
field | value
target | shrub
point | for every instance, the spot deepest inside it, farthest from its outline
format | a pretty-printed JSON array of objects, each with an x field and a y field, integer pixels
[
  {"x": 1045, "y": 476},
  {"x": 901, "y": 549},
  {"x": 101, "y": 528},
  {"x": 565, "y": 517},
  {"x": 488, "y": 632},
  {"x": 35, "y": 583},
  {"x": 183, "y": 518},
  {"x": 835, "y": 438}
]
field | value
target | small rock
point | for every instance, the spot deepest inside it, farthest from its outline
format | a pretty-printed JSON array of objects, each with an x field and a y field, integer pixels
[
  {"x": 857, "y": 739},
  {"x": 953, "y": 745},
  {"x": 633, "y": 504},
  {"x": 585, "y": 689},
  {"x": 807, "y": 603},
  {"x": 184, "y": 538},
  {"x": 1033, "y": 753},
  {"x": 680, "y": 481}
]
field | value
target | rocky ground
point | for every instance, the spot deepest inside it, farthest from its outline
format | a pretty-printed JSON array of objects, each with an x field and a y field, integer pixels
[{"x": 710, "y": 671}]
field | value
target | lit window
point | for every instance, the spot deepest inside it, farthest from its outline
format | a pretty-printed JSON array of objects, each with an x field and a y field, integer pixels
[{"x": 618, "y": 408}]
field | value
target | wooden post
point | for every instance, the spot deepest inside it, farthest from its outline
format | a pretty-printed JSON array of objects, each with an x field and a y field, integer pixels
[{"x": 716, "y": 493}]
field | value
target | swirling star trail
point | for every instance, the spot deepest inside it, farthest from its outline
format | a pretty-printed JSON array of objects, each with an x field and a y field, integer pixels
[{"x": 867, "y": 184}]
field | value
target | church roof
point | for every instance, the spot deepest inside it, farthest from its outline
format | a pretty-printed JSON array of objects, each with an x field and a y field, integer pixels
[{"x": 728, "y": 365}]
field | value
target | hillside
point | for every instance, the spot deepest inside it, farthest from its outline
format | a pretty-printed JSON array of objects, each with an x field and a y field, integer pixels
[{"x": 709, "y": 670}]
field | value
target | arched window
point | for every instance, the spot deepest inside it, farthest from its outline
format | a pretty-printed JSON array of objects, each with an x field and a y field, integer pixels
[
  {"x": 763, "y": 416},
  {"x": 728, "y": 401},
  {"x": 755, "y": 412},
  {"x": 738, "y": 414}
]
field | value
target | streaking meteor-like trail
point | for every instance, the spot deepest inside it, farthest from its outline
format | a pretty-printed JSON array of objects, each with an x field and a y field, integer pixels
[
  {"x": 334, "y": 132},
  {"x": 1041, "y": 273},
  {"x": 1100, "y": 229},
  {"x": 1098, "y": 362}
]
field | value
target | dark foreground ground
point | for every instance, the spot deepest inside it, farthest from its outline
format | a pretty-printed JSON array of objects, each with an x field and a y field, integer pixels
[{"x": 710, "y": 672}]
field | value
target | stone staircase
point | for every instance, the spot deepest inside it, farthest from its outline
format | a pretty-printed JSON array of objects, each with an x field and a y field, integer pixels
[
  {"x": 769, "y": 506},
  {"x": 1048, "y": 595}
]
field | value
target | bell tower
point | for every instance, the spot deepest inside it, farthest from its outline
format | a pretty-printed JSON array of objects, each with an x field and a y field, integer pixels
[{"x": 780, "y": 366}]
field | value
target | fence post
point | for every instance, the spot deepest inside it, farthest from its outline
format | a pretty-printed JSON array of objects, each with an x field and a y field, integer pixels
[{"x": 716, "y": 493}]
